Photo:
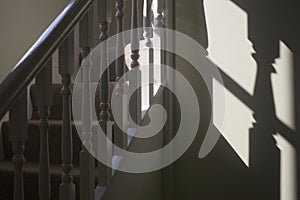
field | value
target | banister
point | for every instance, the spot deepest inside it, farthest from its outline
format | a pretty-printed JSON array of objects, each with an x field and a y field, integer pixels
[{"x": 40, "y": 52}]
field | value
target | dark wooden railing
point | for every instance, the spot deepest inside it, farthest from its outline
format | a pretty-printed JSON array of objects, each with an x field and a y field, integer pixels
[
  {"x": 42, "y": 50},
  {"x": 37, "y": 64}
]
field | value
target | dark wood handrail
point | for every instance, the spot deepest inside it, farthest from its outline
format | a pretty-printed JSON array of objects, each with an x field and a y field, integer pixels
[{"x": 42, "y": 50}]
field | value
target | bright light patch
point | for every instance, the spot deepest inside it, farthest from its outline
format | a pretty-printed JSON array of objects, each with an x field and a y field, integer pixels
[
  {"x": 229, "y": 47},
  {"x": 288, "y": 168},
  {"x": 237, "y": 121},
  {"x": 283, "y": 86}
]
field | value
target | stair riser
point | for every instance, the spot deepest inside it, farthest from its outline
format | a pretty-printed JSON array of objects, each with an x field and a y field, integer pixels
[
  {"x": 57, "y": 107},
  {"x": 31, "y": 185},
  {"x": 32, "y": 147}
]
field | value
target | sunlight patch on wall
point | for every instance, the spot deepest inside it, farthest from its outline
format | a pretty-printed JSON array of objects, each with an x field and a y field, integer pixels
[
  {"x": 237, "y": 121},
  {"x": 157, "y": 61},
  {"x": 288, "y": 168},
  {"x": 228, "y": 43},
  {"x": 144, "y": 59},
  {"x": 283, "y": 86}
]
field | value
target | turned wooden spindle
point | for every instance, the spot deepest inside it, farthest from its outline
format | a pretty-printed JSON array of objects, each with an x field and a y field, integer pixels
[
  {"x": 157, "y": 13},
  {"x": 104, "y": 81},
  {"x": 44, "y": 101},
  {"x": 18, "y": 137},
  {"x": 120, "y": 59},
  {"x": 87, "y": 180},
  {"x": 147, "y": 25},
  {"x": 148, "y": 33},
  {"x": 66, "y": 67},
  {"x": 104, "y": 172},
  {"x": 120, "y": 136},
  {"x": 18, "y": 160},
  {"x": 135, "y": 75}
]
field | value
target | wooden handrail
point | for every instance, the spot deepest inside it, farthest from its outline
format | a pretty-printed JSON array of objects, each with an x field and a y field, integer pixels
[{"x": 37, "y": 56}]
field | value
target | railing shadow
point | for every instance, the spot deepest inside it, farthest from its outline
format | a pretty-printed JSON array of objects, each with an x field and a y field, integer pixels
[
  {"x": 269, "y": 23},
  {"x": 273, "y": 143}
]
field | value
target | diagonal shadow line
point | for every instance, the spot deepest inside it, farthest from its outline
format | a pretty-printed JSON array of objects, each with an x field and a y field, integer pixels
[
  {"x": 237, "y": 90},
  {"x": 247, "y": 99},
  {"x": 289, "y": 134}
]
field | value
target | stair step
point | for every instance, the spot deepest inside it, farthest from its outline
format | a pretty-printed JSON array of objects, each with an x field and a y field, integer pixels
[
  {"x": 31, "y": 171},
  {"x": 32, "y": 149},
  {"x": 56, "y": 108},
  {"x": 32, "y": 146}
]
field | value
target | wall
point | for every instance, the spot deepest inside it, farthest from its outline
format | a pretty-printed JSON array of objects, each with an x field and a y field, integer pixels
[
  {"x": 22, "y": 22},
  {"x": 255, "y": 46}
]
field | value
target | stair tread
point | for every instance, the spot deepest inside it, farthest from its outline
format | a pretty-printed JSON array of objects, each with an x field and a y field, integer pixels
[
  {"x": 30, "y": 167},
  {"x": 31, "y": 180},
  {"x": 32, "y": 145},
  {"x": 57, "y": 107},
  {"x": 55, "y": 122}
]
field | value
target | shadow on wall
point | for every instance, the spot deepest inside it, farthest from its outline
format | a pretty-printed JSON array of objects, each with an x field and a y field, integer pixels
[{"x": 256, "y": 47}]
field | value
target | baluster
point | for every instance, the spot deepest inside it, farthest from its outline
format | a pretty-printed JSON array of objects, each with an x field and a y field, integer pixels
[
  {"x": 18, "y": 136},
  {"x": 157, "y": 13},
  {"x": 104, "y": 172},
  {"x": 148, "y": 33},
  {"x": 44, "y": 101},
  {"x": 120, "y": 137},
  {"x": 66, "y": 67},
  {"x": 151, "y": 75},
  {"x": 135, "y": 75},
  {"x": 120, "y": 43},
  {"x": 141, "y": 19},
  {"x": 86, "y": 160},
  {"x": 158, "y": 39}
]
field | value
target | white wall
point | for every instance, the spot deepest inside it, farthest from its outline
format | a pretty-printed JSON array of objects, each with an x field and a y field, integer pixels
[{"x": 255, "y": 46}]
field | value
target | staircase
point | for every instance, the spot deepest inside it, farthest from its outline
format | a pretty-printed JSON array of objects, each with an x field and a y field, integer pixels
[
  {"x": 31, "y": 168},
  {"x": 32, "y": 148},
  {"x": 54, "y": 151}
]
